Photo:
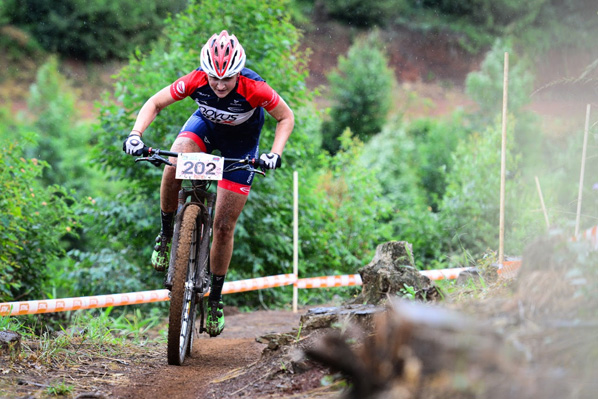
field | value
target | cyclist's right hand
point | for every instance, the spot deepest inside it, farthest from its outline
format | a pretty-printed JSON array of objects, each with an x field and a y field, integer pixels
[{"x": 133, "y": 145}]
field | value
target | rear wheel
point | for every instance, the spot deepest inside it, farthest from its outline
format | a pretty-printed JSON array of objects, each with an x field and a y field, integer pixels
[{"x": 183, "y": 299}]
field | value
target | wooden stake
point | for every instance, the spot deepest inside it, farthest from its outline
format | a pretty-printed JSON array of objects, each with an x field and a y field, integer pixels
[
  {"x": 583, "y": 165},
  {"x": 542, "y": 203},
  {"x": 295, "y": 237},
  {"x": 503, "y": 161}
]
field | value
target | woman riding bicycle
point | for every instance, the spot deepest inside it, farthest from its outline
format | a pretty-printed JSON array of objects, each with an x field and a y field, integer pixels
[{"x": 230, "y": 117}]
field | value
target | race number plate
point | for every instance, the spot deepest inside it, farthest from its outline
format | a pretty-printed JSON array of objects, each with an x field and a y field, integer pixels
[{"x": 199, "y": 166}]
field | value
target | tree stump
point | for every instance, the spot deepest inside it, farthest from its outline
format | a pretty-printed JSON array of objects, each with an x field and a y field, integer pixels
[
  {"x": 392, "y": 272},
  {"x": 10, "y": 342},
  {"x": 328, "y": 317},
  {"x": 420, "y": 351}
]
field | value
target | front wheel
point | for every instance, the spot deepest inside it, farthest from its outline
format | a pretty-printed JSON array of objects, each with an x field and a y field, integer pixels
[{"x": 183, "y": 299}]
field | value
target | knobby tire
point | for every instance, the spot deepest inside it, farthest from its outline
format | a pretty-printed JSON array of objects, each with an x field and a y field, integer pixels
[
  {"x": 183, "y": 299},
  {"x": 203, "y": 276}
]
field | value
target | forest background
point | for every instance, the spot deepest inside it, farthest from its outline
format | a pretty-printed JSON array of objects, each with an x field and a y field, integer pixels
[{"x": 78, "y": 217}]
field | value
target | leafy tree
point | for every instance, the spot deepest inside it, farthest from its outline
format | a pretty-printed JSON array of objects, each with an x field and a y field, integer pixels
[
  {"x": 434, "y": 142},
  {"x": 34, "y": 217},
  {"x": 63, "y": 141},
  {"x": 361, "y": 91},
  {"x": 485, "y": 86}
]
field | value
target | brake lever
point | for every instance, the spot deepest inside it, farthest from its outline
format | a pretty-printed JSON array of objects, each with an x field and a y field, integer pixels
[
  {"x": 155, "y": 160},
  {"x": 158, "y": 160},
  {"x": 259, "y": 169},
  {"x": 246, "y": 167}
]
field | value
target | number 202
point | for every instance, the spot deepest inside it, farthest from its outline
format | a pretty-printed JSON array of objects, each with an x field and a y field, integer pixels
[{"x": 199, "y": 168}]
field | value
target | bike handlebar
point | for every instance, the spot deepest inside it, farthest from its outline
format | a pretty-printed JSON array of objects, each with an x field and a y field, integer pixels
[{"x": 154, "y": 156}]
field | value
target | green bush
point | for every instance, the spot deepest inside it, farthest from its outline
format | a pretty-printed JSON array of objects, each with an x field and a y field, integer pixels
[
  {"x": 361, "y": 91},
  {"x": 471, "y": 206},
  {"x": 33, "y": 221},
  {"x": 413, "y": 161},
  {"x": 344, "y": 217},
  {"x": 91, "y": 30},
  {"x": 433, "y": 144},
  {"x": 61, "y": 143}
]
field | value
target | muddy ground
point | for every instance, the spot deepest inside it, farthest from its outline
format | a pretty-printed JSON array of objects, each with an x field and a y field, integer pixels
[
  {"x": 518, "y": 338},
  {"x": 143, "y": 372}
]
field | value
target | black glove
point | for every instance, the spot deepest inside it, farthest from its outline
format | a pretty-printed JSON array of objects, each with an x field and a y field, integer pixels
[{"x": 271, "y": 160}]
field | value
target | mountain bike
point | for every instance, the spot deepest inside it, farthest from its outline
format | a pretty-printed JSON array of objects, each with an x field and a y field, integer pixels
[{"x": 188, "y": 275}]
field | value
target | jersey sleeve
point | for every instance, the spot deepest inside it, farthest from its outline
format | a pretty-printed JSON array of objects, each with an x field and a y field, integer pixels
[
  {"x": 185, "y": 85},
  {"x": 259, "y": 94}
]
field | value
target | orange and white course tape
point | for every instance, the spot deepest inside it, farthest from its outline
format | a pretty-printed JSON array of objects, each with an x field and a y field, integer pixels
[
  {"x": 441, "y": 274},
  {"x": 258, "y": 283},
  {"x": 329, "y": 281},
  {"x": 86, "y": 302},
  {"x": 355, "y": 279},
  {"x": 131, "y": 298},
  {"x": 136, "y": 298}
]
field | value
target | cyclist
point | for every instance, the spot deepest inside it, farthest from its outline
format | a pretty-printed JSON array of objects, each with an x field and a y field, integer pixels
[{"x": 229, "y": 118}]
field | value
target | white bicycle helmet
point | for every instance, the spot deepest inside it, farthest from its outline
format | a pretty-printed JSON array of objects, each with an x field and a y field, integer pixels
[{"x": 222, "y": 56}]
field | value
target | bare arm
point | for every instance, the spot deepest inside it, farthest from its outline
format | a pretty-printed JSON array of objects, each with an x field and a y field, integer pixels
[
  {"x": 151, "y": 109},
  {"x": 286, "y": 121}
]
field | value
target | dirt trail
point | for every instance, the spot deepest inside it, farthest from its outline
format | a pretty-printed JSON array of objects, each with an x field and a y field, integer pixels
[{"x": 211, "y": 358}]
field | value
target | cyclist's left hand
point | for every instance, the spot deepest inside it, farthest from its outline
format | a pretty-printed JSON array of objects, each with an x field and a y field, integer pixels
[
  {"x": 133, "y": 145},
  {"x": 271, "y": 160}
]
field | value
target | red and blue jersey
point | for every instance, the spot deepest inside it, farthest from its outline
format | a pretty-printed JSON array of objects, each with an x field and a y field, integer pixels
[
  {"x": 231, "y": 124},
  {"x": 239, "y": 106}
]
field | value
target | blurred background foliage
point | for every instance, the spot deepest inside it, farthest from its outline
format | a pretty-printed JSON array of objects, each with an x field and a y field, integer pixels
[
  {"x": 91, "y": 30},
  {"x": 361, "y": 90},
  {"x": 78, "y": 217}
]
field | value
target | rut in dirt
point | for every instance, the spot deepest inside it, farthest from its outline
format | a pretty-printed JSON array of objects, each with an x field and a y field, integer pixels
[{"x": 211, "y": 359}]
